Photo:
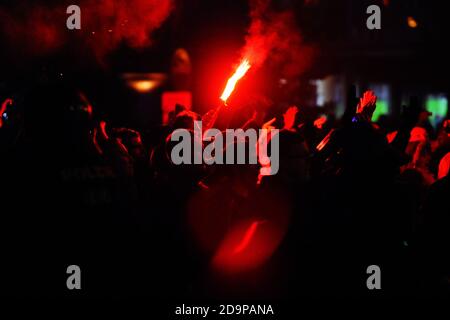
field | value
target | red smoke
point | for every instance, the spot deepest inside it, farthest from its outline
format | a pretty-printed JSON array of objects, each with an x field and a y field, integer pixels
[
  {"x": 274, "y": 36},
  {"x": 131, "y": 21},
  {"x": 39, "y": 29}
]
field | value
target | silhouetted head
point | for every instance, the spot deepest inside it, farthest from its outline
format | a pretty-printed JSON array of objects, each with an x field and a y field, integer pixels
[
  {"x": 59, "y": 112},
  {"x": 185, "y": 120}
]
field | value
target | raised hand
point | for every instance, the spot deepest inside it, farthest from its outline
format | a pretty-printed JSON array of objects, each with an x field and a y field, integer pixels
[
  {"x": 319, "y": 122},
  {"x": 269, "y": 124},
  {"x": 367, "y": 102},
  {"x": 289, "y": 118}
]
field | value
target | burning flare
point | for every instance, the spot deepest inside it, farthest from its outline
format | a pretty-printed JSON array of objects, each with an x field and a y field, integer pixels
[{"x": 231, "y": 84}]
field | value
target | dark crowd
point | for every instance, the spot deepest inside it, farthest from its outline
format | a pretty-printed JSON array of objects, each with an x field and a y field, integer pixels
[{"x": 350, "y": 193}]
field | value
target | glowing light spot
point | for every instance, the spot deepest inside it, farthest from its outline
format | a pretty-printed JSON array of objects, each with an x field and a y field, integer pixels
[
  {"x": 412, "y": 23},
  {"x": 143, "y": 86},
  {"x": 438, "y": 106},
  {"x": 144, "y": 82}
]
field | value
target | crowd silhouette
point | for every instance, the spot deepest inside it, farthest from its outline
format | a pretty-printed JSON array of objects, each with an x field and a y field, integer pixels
[{"x": 349, "y": 194}]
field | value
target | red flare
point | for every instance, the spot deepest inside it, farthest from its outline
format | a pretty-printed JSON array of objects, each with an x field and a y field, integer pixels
[{"x": 231, "y": 84}]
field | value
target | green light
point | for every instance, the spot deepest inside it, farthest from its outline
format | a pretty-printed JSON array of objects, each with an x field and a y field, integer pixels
[
  {"x": 381, "y": 109},
  {"x": 439, "y": 107}
]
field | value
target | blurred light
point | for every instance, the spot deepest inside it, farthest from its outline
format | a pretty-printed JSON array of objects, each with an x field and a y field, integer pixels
[
  {"x": 331, "y": 89},
  {"x": 383, "y": 93},
  {"x": 181, "y": 62},
  {"x": 143, "y": 86},
  {"x": 282, "y": 82},
  {"x": 144, "y": 82},
  {"x": 438, "y": 105},
  {"x": 247, "y": 245},
  {"x": 320, "y": 92},
  {"x": 412, "y": 23},
  {"x": 382, "y": 109},
  {"x": 247, "y": 237}
]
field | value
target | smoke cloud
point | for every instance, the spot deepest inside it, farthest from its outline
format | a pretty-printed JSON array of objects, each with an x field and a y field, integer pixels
[
  {"x": 274, "y": 35},
  {"x": 41, "y": 29}
]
